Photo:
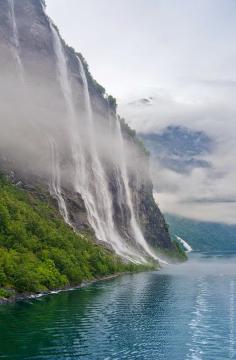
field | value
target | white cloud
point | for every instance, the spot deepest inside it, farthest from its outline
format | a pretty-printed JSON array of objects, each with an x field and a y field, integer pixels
[
  {"x": 208, "y": 193},
  {"x": 141, "y": 43},
  {"x": 181, "y": 53}
]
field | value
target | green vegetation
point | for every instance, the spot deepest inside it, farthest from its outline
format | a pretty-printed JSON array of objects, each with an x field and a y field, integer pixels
[
  {"x": 112, "y": 102},
  {"x": 203, "y": 235},
  {"x": 133, "y": 135},
  {"x": 176, "y": 255},
  {"x": 126, "y": 129},
  {"x": 179, "y": 252},
  {"x": 39, "y": 252},
  {"x": 6, "y": 293},
  {"x": 99, "y": 88}
]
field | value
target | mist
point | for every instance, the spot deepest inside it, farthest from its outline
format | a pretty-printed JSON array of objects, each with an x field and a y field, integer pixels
[
  {"x": 59, "y": 127},
  {"x": 209, "y": 193},
  {"x": 203, "y": 266},
  {"x": 189, "y": 77}
]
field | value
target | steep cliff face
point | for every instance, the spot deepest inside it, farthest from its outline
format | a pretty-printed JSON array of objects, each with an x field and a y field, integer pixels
[{"x": 61, "y": 130}]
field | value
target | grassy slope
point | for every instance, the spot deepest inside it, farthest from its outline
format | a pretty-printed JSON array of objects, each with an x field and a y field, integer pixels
[
  {"x": 39, "y": 252},
  {"x": 177, "y": 255}
]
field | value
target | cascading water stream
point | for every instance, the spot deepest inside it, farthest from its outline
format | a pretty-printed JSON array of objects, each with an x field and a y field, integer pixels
[
  {"x": 16, "y": 44},
  {"x": 77, "y": 155},
  {"x": 55, "y": 185},
  {"x": 18, "y": 61},
  {"x": 89, "y": 178},
  {"x": 137, "y": 233},
  {"x": 100, "y": 185}
]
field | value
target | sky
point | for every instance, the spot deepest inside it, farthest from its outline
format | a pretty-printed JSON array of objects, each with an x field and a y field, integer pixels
[{"x": 182, "y": 54}]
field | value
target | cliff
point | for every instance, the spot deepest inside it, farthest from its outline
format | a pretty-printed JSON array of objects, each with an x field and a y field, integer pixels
[{"x": 60, "y": 130}]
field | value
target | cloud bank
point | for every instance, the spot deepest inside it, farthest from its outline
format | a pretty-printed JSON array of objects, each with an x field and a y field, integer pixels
[
  {"x": 181, "y": 54},
  {"x": 204, "y": 193}
]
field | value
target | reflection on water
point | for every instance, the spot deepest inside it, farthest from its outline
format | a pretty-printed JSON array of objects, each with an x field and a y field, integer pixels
[{"x": 182, "y": 312}]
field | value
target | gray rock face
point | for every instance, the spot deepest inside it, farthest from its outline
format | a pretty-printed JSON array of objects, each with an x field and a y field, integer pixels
[
  {"x": 38, "y": 59},
  {"x": 178, "y": 148}
]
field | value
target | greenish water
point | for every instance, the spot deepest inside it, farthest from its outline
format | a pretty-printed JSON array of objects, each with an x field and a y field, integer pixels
[{"x": 183, "y": 312}]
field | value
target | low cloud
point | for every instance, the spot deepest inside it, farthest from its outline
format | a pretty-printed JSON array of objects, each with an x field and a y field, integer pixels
[
  {"x": 204, "y": 193},
  {"x": 180, "y": 54}
]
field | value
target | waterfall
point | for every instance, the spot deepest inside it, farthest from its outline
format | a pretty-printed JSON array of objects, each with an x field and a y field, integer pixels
[
  {"x": 63, "y": 73},
  {"x": 137, "y": 233},
  {"x": 187, "y": 247},
  {"x": 90, "y": 179},
  {"x": 97, "y": 183},
  {"x": 99, "y": 186},
  {"x": 16, "y": 44},
  {"x": 55, "y": 185},
  {"x": 94, "y": 186},
  {"x": 18, "y": 62}
]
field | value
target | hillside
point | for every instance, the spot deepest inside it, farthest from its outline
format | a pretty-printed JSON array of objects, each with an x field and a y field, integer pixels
[
  {"x": 203, "y": 236},
  {"x": 39, "y": 252},
  {"x": 78, "y": 199}
]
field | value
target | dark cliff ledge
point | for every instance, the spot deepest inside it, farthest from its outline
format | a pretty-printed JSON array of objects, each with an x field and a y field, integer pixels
[{"x": 151, "y": 220}]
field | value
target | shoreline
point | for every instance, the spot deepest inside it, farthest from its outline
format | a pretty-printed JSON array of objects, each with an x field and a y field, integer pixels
[
  {"x": 17, "y": 297},
  {"x": 27, "y": 296}
]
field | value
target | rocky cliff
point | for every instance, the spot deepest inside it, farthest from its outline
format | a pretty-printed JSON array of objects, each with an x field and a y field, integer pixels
[{"x": 60, "y": 130}]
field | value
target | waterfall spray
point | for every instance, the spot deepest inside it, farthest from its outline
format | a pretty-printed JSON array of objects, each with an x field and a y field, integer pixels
[
  {"x": 99, "y": 187},
  {"x": 82, "y": 181},
  {"x": 137, "y": 233},
  {"x": 55, "y": 185},
  {"x": 16, "y": 44},
  {"x": 90, "y": 178}
]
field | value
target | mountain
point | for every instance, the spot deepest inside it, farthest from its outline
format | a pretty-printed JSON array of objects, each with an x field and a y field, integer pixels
[
  {"x": 178, "y": 148},
  {"x": 62, "y": 141},
  {"x": 203, "y": 236}
]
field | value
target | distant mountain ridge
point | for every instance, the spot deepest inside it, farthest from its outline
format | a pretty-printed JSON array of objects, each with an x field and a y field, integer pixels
[
  {"x": 203, "y": 236},
  {"x": 178, "y": 148}
]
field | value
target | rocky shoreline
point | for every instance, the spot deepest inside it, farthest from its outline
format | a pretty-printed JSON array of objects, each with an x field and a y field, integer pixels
[{"x": 27, "y": 296}]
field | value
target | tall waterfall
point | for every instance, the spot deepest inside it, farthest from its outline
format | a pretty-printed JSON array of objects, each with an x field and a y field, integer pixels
[
  {"x": 96, "y": 185},
  {"x": 90, "y": 179},
  {"x": 16, "y": 44},
  {"x": 55, "y": 184},
  {"x": 137, "y": 233}
]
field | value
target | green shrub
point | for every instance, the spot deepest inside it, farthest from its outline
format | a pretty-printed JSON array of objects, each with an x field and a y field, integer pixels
[
  {"x": 39, "y": 252},
  {"x": 5, "y": 293}
]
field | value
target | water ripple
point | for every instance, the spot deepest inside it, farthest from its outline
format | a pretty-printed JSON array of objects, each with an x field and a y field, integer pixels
[{"x": 145, "y": 316}]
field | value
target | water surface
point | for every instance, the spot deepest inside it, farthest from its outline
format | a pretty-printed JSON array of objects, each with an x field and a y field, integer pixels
[{"x": 182, "y": 312}]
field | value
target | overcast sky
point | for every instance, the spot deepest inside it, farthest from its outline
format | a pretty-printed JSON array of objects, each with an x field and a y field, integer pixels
[{"x": 183, "y": 54}]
